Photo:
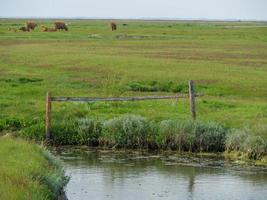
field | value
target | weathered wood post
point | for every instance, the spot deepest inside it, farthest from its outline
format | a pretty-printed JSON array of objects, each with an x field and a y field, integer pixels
[
  {"x": 192, "y": 99},
  {"x": 48, "y": 117}
]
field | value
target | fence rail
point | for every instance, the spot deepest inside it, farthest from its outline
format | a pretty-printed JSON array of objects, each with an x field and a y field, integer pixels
[
  {"x": 95, "y": 99},
  {"x": 49, "y": 100}
]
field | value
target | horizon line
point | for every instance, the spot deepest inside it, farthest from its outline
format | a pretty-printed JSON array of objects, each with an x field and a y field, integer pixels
[{"x": 140, "y": 18}]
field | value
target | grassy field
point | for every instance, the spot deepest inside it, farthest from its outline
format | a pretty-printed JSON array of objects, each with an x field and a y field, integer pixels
[
  {"x": 28, "y": 171},
  {"x": 228, "y": 62}
]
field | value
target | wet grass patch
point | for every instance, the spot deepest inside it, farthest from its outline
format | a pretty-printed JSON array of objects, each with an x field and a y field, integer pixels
[
  {"x": 156, "y": 86},
  {"x": 21, "y": 80},
  {"x": 214, "y": 105}
]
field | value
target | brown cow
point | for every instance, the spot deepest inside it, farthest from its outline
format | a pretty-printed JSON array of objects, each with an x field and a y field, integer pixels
[
  {"x": 24, "y": 29},
  {"x": 113, "y": 26},
  {"x": 61, "y": 26},
  {"x": 31, "y": 25}
]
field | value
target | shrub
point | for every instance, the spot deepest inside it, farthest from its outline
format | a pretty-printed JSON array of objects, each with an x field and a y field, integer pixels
[
  {"x": 235, "y": 140},
  {"x": 128, "y": 131},
  {"x": 191, "y": 136},
  {"x": 210, "y": 136},
  {"x": 175, "y": 135},
  {"x": 89, "y": 131},
  {"x": 252, "y": 145},
  {"x": 255, "y": 146}
]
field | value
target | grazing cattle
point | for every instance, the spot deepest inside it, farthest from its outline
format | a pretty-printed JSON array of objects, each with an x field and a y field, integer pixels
[
  {"x": 31, "y": 25},
  {"x": 24, "y": 29},
  {"x": 113, "y": 26},
  {"x": 46, "y": 29},
  {"x": 61, "y": 26}
]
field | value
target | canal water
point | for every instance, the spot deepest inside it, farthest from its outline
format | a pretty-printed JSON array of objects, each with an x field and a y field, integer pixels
[{"x": 120, "y": 175}]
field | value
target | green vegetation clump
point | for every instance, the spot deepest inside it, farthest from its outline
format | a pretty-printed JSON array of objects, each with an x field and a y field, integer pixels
[
  {"x": 128, "y": 131},
  {"x": 33, "y": 131},
  {"x": 65, "y": 132},
  {"x": 13, "y": 123},
  {"x": 137, "y": 132},
  {"x": 248, "y": 144},
  {"x": 28, "y": 171},
  {"x": 155, "y": 86},
  {"x": 133, "y": 131},
  {"x": 191, "y": 136},
  {"x": 89, "y": 131}
]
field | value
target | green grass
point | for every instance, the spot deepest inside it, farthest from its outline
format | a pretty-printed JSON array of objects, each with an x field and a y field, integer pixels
[
  {"x": 228, "y": 62},
  {"x": 28, "y": 171}
]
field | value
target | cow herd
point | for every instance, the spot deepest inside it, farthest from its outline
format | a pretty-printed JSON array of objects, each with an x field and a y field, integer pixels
[
  {"x": 32, "y": 25},
  {"x": 58, "y": 26}
]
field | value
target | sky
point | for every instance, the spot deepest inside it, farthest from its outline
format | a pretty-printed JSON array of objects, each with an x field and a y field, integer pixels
[{"x": 137, "y": 9}]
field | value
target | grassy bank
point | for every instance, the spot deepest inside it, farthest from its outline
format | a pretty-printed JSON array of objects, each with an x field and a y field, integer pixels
[{"x": 27, "y": 171}]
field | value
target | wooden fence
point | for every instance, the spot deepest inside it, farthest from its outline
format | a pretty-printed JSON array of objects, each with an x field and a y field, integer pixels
[{"x": 49, "y": 100}]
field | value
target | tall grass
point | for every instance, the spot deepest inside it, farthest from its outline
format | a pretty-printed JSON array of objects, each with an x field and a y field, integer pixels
[
  {"x": 89, "y": 131},
  {"x": 65, "y": 132},
  {"x": 133, "y": 131},
  {"x": 251, "y": 144},
  {"x": 191, "y": 136},
  {"x": 128, "y": 131}
]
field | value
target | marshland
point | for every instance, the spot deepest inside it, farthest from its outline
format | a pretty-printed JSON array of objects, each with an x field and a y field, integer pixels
[{"x": 226, "y": 60}]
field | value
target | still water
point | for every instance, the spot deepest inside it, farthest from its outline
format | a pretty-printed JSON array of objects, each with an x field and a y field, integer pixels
[{"x": 104, "y": 175}]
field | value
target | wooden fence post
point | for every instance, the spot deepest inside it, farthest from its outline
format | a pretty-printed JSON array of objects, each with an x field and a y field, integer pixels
[
  {"x": 192, "y": 99},
  {"x": 48, "y": 117}
]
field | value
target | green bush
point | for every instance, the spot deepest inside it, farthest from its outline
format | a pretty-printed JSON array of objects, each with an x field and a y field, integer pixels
[
  {"x": 175, "y": 135},
  {"x": 191, "y": 136},
  {"x": 235, "y": 140},
  {"x": 256, "y": 147},
  {"x": 128, "y": 131},
  {"x": 89, "y": 131},
  {"x": 253, "y": 145},
  {"x": 210, "y": 137}
]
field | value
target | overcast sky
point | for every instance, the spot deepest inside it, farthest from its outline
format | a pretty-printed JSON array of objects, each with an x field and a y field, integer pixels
[{"x": 180, "y": 9}]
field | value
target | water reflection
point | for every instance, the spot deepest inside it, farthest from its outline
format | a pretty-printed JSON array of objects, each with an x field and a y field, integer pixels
[{"x": 120, "y": 175}]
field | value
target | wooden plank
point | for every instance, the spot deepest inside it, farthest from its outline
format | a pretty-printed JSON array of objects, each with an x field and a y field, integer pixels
[
  {"x": 48, "y": 117},
  {"x": 192, "y": 99},
  {"x": 94, "y": 99}
]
